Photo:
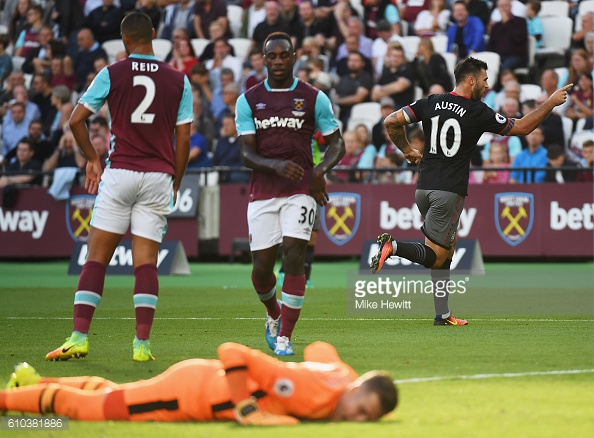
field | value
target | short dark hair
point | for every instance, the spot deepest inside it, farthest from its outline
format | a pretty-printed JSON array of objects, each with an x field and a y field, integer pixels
[
  {"x": 27, "y": 141},
  {"x": 138, "y": 27},
  {"x": 4, "y": 40},
  {"x": 380, "y": 383},
  {"x": 469, "y": 67},
  {"x": 536, "y": 6},
  {"x": 279, "y": 36},
  {"x": 555, "y": 151},
  {"x": 588, "y": 144},
  {"x": 100, "y": 120}
]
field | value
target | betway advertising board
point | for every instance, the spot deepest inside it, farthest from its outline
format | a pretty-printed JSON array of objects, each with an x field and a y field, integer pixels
[{"x": 508, "y": 220}]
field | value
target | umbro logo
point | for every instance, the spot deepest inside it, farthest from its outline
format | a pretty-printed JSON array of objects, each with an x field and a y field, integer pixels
[{"x": 260, "y": 106}]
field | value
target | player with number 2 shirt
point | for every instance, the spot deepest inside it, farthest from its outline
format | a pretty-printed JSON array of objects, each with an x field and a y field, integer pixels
[
  {"x": 452, "y": 123},
  {"x": 148, "y": 102},
  {"x": 276, "y": 121}
]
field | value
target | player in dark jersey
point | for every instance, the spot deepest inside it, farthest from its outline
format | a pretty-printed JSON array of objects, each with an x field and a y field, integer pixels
[
  {"x": 148, "y": 102},
  {"x": 276, "y": 120},
  {"x": 452, "y": 124}
]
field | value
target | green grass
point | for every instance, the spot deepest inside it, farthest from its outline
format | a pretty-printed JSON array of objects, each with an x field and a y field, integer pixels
[{"x": 216, "y": 304}]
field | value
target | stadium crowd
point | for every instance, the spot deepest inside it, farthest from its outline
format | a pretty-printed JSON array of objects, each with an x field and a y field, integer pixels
[{"x": 371, "y": 57}]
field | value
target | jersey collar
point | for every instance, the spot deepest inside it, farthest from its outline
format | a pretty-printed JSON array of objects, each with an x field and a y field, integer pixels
[
  {"x": 136, "y": 55},
  {"x": 453, "y": 93},
  {"x": 281, "y": 89}
]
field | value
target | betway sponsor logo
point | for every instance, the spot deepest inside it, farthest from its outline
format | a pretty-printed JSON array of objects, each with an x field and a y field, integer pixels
[
  {"x": 24, "y": 221},
  {"x": 122, "y": 256},
  {"x": 407, "y": 218},
  {"x": 279, "y": 122},
  {"x": 574, "y": 218}
]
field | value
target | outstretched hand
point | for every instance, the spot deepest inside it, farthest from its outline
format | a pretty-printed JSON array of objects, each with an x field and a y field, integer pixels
[{"x": 560, "y": 96}]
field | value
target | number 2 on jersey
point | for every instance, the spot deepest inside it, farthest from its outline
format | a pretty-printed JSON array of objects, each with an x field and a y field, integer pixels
[
  {"x": 443, "y": 134},
  {"x": 139, "y": 115}
]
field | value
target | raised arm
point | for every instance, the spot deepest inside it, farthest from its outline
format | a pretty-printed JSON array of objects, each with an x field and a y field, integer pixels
[
  {"x": 395, "y": 124},
  {"x": 530, "y": 121}
]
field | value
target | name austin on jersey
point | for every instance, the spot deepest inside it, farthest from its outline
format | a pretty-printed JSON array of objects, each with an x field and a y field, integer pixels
[
  {"x": 451, "y": 107},
  {"x": 279, "y": 122}
]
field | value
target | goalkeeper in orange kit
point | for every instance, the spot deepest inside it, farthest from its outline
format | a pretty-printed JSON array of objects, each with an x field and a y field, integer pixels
[{"x": 245, "y": 385}]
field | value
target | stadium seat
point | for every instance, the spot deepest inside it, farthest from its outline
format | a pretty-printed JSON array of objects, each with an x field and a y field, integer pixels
[
  {"x": 556, "y": 36},
  {"x": 162, "y": 47},
  {"x": 113, "y": 47},
  {"x": 235, "y": 16},
  {"x": 411, "y": 46},
  {"x": 525, "y": 71},
  {"x": 578, "y": 139},
  {"x": 241, "y": 47},
  {"x": 451, "y": 61},
  {"x": 493, "y": 61},
  {"x": 17, "y": 63},
  {"x": 585, "y": 6},
  {"x": 3, "y": 29},
  {"x": 531, "y": 91},
  {"x": 418, "y": 93},
  {"x": 368, "y": 113},
  {"x": 554, "y": 8},
  {"x": 199, "y": 44},
  {"x": 567, "y": 129},
  {"x": 28, "y": 78},
  {"x": 440, "y": 43},
  {"x": 579, "y": 126}
]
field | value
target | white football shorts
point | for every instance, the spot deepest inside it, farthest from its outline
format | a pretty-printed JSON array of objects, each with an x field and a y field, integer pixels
[
  {"x": 269, "y": 220},
  {"x": 140, "y": 199}
]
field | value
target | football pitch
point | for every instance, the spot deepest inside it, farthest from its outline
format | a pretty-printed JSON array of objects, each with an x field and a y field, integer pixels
[{"x": 525, "y": 374}]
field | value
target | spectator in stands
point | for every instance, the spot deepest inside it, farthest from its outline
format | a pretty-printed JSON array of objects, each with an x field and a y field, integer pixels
[
  {"x": 552, "y": 126},
  {"x": 8, "y": 8},
  {"x": 31, "y": 109},
  {"x": 479, "y": 9},
  {"x": 19, "y": 19},
  {"x": 518, "y": 9},
  {"x": 497, "y": 158},
  {"x": 577, "y": 38},
  {"x": 67, "y": 154},
  {"x": 397, "y": 80},
  {"x": 42, "y": 97},
  {"x": 380, "y": 10},
  {"x": 6, "y": 95},
  {"x": 99, "y": 126},
  {"x": 352, "y": 44},
  {"x": 184, "y": 57},
  {"x": 41, "y": 146},
  {"x": 354, "y": 150},
  {"x": 410, "y": 9},
  {"x": 70, "y": 18},
  {"x": 179, "y": 15},
  {"x": 465, "y": 35},
  {"x": 311, "y": 26},
  {"x": 150, "y": 8},
  {"x": 511, "y": 89},
  {"x": 203, "y": 124},
  {"x": 230, "y": 94},
  {"x": 258, "y": 72},
  {"x": 38, "y": 58},
  {"x": 556, "y": 159},
  {"x": 200, "y": 82},
  {"x": 217, "y": 31},
  {"x": 548, "y": 82},
  {"x": 579, "y": 63},
  {"x": 27, "y": 39},
  {"x": 273, "y": 22},
  {"x": 379, "y": 47},
  {"x": 222, "y": 60},
  {"x": 198, "y": 150},
  {"x": 61, "y": 100},
  {"x": 252, "y": 16},
  {"x": 354, "y": 87},
  {"x": 589, "y": 46},
  {"x": 509, "y": 38},
  {"x": 207, "y": 11},
  {"x": 580, "y": 105},
  {"x": 433, "y": 21},
  {"x": 388, "y": 157},
  {"x": 24, "y": 169},
  {"x": 340, "y": 14},
  {"x": 102, "y": 149},
  {"x": 534, "y": 156},
  {"x": 587, "y": 162},
  {"x": 387, "y": 107},
  {"x": 355, "y": 28},
  {"x": 5, "y": 59},
  {"x": 535, "y": 27},
  {"x": 89, "y": 50},
  {"x": 431, "y": 68},
  {"x": 290, "y": 13},
  {"x": 367, "y": 158},
  {"x": 228, "y": 154},
  {"x": 105, "y": 21},
  {"x": 14, "y": 127},
  {"x": 62, "y": 72}
]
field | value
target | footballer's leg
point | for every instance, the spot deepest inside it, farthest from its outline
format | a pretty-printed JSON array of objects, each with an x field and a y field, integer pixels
[{"x": 101, "y": 245}]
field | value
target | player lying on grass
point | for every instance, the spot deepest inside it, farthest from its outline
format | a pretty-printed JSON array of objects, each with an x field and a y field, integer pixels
[{"x": 244, "y": 385}]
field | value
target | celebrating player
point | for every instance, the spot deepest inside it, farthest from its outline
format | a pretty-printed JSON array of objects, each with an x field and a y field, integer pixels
[
  {"x": 244, "y": 385},
  {"x": 148, "y": 101},
  {"x": 276, "y": 120},
  {"x": 452, "y": 124}
]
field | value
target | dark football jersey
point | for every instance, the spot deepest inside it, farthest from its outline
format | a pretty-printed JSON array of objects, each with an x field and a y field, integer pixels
[
  {"x": 284, "y": 122},
  {"x": 146, "y": 99},
  {"x": 452, "y": 125}
]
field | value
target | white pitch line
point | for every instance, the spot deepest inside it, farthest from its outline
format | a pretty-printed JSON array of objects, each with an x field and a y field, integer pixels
[
  {"x": 492, "y": 376},
  {"x": 207, "y": 318}
]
